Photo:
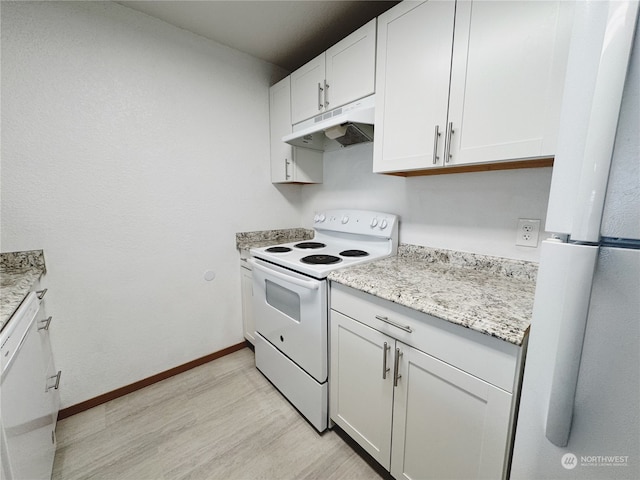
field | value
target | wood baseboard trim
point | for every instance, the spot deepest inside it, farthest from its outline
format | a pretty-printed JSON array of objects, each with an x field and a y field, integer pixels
[
  {"x": 481, "y": 167},
  {"x": 119, "y": 392}
]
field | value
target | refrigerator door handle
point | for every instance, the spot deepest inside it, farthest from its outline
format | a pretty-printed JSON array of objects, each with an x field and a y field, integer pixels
[
  {"x": 589, "y": 116},
  {"x": 571, "y": 308}
]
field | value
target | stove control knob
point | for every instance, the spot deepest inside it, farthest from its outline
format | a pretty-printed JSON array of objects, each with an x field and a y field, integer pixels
[
  {"x": 374, "y": 222},
  {"x": 345, "y": 219},
  {"x": 316, "y": 218},
  {"x": 383, "y": 224},
  {"x": 322, "y": 217}
]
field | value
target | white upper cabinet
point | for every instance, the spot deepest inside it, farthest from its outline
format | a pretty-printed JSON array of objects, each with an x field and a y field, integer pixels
[
  {"x": 414, "y": 61},
  {"x": 289, "y": 164},
  {"x": 307, "y": 89},
  {"x": 507, "y": 77},
  {"x": 342, "y": 74},
  {"x": 468, "y": 82}
]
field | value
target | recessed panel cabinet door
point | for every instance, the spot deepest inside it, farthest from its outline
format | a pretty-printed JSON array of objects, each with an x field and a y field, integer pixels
[
  {"x": 446, "y": 423},
  {"x": 350, "y": 67},
  {"x": 307, "y": 89},
  {"x": 280, "y": 125},
  {"x": 360, "y": 399},
  {"x": 507, "y": 79},
  {"x": 412, "y": 85},
  {"x": 289, "y": 164}
]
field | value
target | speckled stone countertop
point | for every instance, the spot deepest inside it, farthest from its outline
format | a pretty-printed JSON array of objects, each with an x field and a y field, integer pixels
[
  {"x": 19, "y": 271},
  {"x": 263, "y": 238},
  {"x": 491, "y": 295}
]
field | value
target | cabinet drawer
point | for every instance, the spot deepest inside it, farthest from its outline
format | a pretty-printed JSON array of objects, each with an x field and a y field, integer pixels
[{"x": 488, "y": 358}]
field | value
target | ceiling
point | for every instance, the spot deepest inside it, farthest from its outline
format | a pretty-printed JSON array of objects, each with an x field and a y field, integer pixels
[{"x": 285, "y": 33}]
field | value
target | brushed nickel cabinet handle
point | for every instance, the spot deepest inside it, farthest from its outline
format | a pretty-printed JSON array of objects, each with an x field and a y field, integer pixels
[
  {"x": 320, "y": 90},
  {"x": 41, "y": 293},
  {"x": 45, "y": 324},
  {"x": 406, "y": 328},
  {"x": 436, "y": 136},
  {"x": 326, "y": 94},
  {"x": 396, "y": 375},
  {"x": 286, "y": 169},
  {"x": 385, "y": 369},
  {"x": 448, "y": 155},
  {"x": 55, "y": 385}
]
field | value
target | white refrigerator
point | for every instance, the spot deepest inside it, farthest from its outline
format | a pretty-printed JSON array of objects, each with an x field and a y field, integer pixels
[{"x": 580, "y": 405}]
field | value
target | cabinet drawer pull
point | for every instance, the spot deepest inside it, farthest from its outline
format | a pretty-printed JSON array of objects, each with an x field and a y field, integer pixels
[
  {"x": 55, "y": 385},
  {"x": 286, "y": 169},
  {"x": 406, "y": 328},
  {"x": 436, "y": 136},
  {"x": 385, "y": 369},
  {"x": 396, "y": 366},
  {"x": 41, "y": 293},
  {"x": 45, "y": 324},
  {"x": 320, "y": 104}
]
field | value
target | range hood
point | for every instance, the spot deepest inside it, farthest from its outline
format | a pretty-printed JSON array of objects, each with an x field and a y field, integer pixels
[{"x": 348, "y": 125}]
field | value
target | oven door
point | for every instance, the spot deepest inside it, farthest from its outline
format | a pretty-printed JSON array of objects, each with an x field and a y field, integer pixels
[{"x": 290, "y": 311}]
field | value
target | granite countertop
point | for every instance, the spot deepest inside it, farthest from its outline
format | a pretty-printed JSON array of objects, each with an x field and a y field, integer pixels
[
  {"x": 491, "y": 295},
  {"x": 264, "y": 238},
  {"x": 19, "y": 271}
]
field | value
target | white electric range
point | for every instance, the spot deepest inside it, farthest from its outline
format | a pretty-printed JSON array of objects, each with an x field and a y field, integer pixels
[{"x": 290, "y": 301}]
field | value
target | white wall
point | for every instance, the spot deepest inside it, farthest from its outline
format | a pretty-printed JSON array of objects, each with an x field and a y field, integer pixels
[
  {"x": 472, "y": 212},
  {"x": 132, "y": 151}
]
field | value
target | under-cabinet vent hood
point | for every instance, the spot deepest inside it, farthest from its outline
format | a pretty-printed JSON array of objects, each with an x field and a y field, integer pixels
[{"x": 348, "y": 125}]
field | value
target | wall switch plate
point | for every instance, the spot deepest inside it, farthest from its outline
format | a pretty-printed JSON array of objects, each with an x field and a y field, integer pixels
[{"x": 528, "y": 232}]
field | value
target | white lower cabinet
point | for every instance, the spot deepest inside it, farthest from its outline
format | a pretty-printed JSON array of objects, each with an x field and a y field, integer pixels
[
  {"x": 419, "y": 416},
  {"x": 446, "y": 423},
  {"x": 361, "y": 397},
  {"x": 246, "y": 286}
]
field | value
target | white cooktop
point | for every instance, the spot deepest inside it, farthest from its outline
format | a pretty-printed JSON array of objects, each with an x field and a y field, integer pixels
[{"x": 339, "y": 230}]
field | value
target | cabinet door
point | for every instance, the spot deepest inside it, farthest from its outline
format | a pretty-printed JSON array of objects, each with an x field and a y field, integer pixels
[
  {"x": 307, "y": 166},
  {"x": 360, "y": 399},
  {"x": 307, "y": 89},
  {"x": 446, "y": 423},
  {"x": 412, "y": 85},
  {"x": 280, "y": 125},
  {"x": 507, "y": 79},
  {"x": 350, "y": 67},
  {"x": 246, "y": 285}
]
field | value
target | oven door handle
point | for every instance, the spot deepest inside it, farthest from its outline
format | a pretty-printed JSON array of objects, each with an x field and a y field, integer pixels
[{"x": 308, "y": 284}]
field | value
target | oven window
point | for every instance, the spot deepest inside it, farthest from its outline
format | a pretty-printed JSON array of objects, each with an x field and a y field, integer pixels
[{"x": 284, "y": 300}]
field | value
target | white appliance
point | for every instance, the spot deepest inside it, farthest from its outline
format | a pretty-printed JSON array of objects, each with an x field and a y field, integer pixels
[
  {"x": 290, "y": 301},
  {"x": 348, "y": 125},
  {"x": 29, "y": 399},
  {"x": 580, "y": 405}
]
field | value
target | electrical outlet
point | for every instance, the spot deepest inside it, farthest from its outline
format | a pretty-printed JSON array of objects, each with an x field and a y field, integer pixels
[{"x": 528, "y": 232}]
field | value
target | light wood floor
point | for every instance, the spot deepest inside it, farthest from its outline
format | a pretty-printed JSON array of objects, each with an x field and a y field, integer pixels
[{"x": 222, "y": 420}]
